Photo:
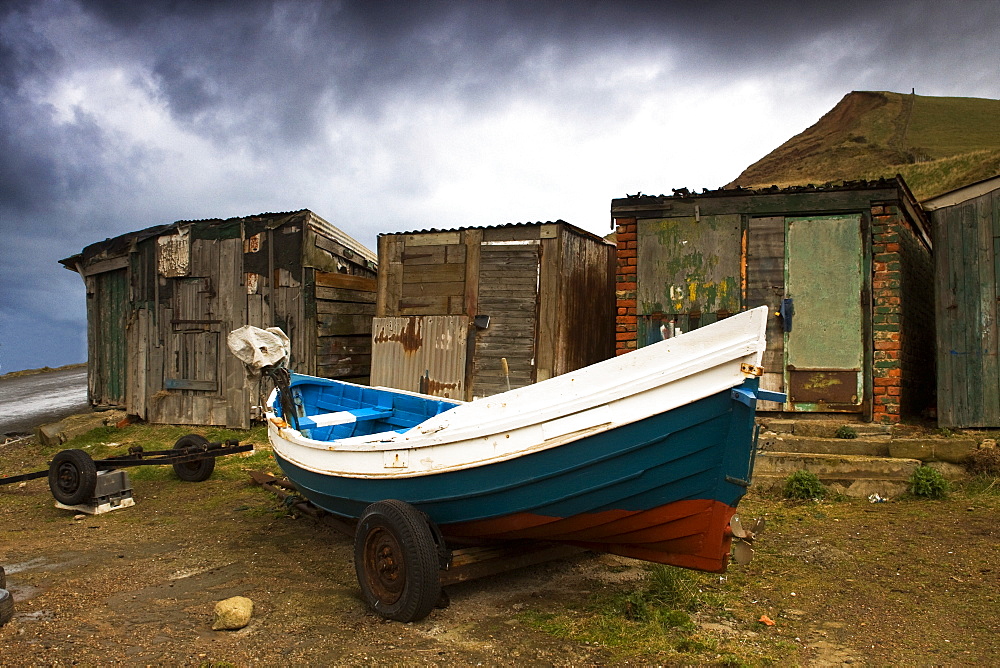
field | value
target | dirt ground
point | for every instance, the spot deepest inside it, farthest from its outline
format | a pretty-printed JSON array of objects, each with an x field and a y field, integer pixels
[{"x": 907, "y": 582}]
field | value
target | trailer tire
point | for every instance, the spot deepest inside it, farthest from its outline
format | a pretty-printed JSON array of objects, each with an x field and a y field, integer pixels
[
  {"x": 198, "y": 470},
  {"x": 396, "y": 561},
  {"x": 6, "y": 606},
  {"x": 72, "y": 477}
]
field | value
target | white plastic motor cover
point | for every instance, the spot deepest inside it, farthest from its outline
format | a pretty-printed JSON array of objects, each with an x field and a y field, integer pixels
[{"x": 258, "y": 348}]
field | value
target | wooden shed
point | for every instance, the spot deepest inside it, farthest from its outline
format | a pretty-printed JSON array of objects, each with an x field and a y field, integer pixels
[
  {"x": 966, "y": 224},
  {"x": 463, "y": 313},
  {"x": 161, "y": 302},
  {"x": 846, "y": 271}
]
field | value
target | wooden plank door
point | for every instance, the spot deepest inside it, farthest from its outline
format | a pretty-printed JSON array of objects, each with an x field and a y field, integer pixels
[
  {"x": 508, "y": 294},
  {"x": 824, "y": 351},
  {"x": 766, "y": 287},
  {"x": 111, "y": 301}
]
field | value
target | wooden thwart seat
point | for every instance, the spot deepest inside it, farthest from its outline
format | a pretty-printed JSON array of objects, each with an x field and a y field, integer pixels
[{"x": 343, "y": 417}]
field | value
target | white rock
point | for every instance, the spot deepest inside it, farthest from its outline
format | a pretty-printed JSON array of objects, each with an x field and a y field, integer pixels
[{"x": 232, "y": 614}]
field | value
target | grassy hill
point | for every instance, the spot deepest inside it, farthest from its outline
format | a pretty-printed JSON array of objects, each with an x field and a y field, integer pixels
[{"x": 936, "y": 143}]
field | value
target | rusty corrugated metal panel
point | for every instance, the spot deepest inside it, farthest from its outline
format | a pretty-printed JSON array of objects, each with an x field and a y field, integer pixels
[{"x": 405, "y": 349}]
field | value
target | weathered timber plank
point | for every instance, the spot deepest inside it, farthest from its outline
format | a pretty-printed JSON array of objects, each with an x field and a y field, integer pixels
[
  {"x": 344, "y": 308},
  {"x": 431, "y": 273},
  {"x": 430, "y": 238},
  {"x": 346, "y": 281},
  {"x": 423, "y": 306},
  {"x": 343, "y": 345},
  {"x": 448, "y": 289},
  {"x": 522, "y": 232},
  {"x": 344, "y": 295},
  {"x": 343, "y": 325}
]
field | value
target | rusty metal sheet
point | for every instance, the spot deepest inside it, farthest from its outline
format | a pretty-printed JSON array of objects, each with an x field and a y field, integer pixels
[
  {"x": 823, "y": 386},
  {"x": 405, "y": 349}
]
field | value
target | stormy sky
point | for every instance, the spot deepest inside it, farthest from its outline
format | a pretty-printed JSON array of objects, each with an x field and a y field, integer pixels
[{"x": 390, "y": 116}]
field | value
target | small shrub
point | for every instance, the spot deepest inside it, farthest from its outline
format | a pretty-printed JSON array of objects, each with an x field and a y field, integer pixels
[
  {"x": 804, "y": 485},
  {"x": 676, "y": 619},
  {"x": 846, "y": 432},
  {"x": 984, "y": 462},
  {"x": 928, "y": 483},
  {"x": 672, "y": 587}
]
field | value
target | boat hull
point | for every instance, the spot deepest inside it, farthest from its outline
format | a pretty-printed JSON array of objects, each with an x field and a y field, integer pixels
[{"x": 662, "y": 489}]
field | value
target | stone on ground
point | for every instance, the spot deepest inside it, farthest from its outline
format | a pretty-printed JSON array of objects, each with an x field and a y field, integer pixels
[{"x": 232, "y": 614}]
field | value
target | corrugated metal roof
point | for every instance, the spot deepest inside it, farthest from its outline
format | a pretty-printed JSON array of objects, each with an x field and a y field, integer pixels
[
  {"x": 122, "y": 243},
  {"x": 685, "y": 193},
  {"x": 569, "y": 226},
  {"x": 963, "y": 194}
]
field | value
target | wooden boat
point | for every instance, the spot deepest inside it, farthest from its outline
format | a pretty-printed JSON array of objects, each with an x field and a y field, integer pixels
[{"x": 645, "y": 455}]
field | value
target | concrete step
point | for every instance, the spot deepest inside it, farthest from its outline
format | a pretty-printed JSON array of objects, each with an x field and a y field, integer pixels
[
  {"x": 953, "y": 450},
  {"x": 822, "y": 428},
  {"x": 874, "y": 446},
  {"x": 853, "y": 475}
]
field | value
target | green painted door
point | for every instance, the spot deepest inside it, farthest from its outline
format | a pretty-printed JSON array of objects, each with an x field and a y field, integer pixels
[
  {"x": 111, "y": 302},
  {"x": 824, "y": 351}
]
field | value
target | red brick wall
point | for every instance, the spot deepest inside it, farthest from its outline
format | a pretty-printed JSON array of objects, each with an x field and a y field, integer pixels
[
  {"x": 625, "y": 286},
  {"x": 902, "y": 318}
]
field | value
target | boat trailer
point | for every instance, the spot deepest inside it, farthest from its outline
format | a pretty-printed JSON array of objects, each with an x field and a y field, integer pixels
[
  {"x": 77, "y": 481},
  {"x": 385, "y": 569}
]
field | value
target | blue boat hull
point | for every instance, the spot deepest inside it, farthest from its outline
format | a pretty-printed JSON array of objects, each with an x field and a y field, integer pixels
[{"x": 662, "y": 489}]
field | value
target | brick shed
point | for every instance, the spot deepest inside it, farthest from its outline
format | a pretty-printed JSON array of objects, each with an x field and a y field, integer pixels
[{"x": 846, "y": 271}]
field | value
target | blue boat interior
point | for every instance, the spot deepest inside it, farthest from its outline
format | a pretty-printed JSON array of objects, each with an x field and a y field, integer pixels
[{"x": 374, "y": 410}]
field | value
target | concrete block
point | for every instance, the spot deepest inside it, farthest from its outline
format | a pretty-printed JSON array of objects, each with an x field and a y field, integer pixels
[
  {"x": 952, "y": 450},
  {"x": 780, "y": 426},
  {"x": 835, "y": 467},
  {"x": 869, "y": 447},
  {"x": 948, "y": 470},
  {"x": 70, "y": 427}
]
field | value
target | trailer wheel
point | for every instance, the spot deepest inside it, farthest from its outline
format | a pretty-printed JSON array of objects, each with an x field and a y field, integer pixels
[
  {"x": 72, "y": 477},
  {"x": 396, "y": 561},
  {"x": 6, "y": 606},
  {"x": 198, "y": 470}
]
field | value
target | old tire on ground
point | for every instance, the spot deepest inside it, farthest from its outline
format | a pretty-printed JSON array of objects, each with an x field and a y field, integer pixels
[
  {"x": 396, "y": 561},
  {"x": 6, "y": 606},
  {"x": 197, "y": 470},
  {"x": 72, "y": 477}
]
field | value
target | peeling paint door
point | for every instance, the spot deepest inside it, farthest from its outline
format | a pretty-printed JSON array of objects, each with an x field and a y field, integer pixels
[
  {"x": 107, "y": 321},
  {"x": 824, "y": 349},
  {"x": 688, "y": 273}
]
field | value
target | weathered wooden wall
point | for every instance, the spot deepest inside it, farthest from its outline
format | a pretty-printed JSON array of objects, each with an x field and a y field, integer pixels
[
  {"x": 967, "y": 248},
  {"x": 345, "y": 306},
  {"x": 547, "y": 289},
  {"x": 162, "y": 302}
]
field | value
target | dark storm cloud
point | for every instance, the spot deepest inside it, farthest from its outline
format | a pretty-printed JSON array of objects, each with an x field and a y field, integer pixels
[
  {"x": 268, "y": 70},
  {"x": 271, "y": 80}
]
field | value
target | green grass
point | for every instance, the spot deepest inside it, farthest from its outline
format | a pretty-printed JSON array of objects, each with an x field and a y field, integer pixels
[
  {"x": 653, "y": 617},
  {"x": 936, "y": 143}
]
